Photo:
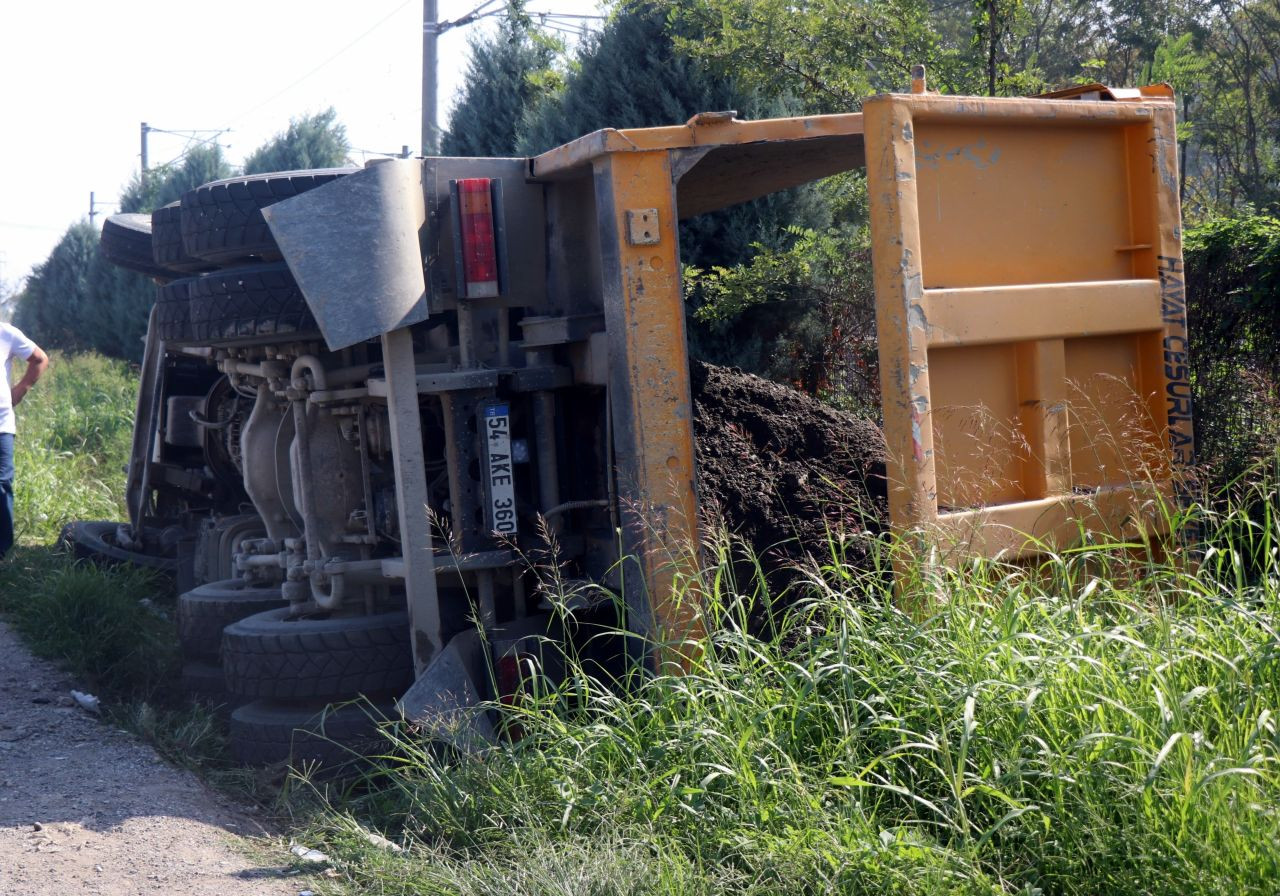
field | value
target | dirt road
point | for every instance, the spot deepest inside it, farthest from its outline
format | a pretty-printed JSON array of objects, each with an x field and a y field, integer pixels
[{"x": 87, "y": 809}]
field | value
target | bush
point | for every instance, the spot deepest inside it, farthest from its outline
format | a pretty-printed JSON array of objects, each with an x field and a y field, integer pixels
[{"x": 1233, "y": 273}]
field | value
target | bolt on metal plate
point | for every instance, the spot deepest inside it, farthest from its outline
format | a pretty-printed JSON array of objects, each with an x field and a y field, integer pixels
[{"x": 642, "y": 227}]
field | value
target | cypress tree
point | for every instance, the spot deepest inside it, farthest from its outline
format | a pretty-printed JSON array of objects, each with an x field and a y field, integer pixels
[
  {"x": 508, "y": 75},
  {"x": 312, "y": 141},
  {"x": 632, "y": 75}
]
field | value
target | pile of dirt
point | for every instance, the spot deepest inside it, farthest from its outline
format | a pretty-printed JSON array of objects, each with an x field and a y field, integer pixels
[{"x": 781, "y": 469}]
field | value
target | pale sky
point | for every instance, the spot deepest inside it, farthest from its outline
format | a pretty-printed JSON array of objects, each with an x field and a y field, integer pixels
[{"x": 78, "y": 77}]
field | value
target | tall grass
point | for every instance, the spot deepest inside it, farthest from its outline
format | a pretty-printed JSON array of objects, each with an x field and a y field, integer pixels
[
  {"x": 73, "y": 442},
  {"x": 1039, "y": 731}
]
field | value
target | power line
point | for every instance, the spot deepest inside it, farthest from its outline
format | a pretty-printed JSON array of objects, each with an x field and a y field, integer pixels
[
  {"x": 197, "y": 143},
  {"x": 275, "y": 96}
]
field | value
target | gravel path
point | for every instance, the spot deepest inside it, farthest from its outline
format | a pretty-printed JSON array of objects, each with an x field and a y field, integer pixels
[{"x": 88, "y": 809}]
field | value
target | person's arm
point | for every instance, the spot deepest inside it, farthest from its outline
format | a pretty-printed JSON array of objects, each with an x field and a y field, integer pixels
[{"x": 37, "y": 364}]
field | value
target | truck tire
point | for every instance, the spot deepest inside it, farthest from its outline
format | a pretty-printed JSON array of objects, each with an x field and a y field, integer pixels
[
  {"x": 173, "y": 311},
  {"x": 267, "y": 733},
  {"x": 273, "y": 655},
  {"x": 95, "y": 540},
  {"x": 206, "y": 610},
  {"x": 126, "y": 243},
  {"x": 202, "y": 681},
  {"x": 238, "y": 306},
  {"x": 222, "y": 221},
  {"x": 166, "y": 241}
]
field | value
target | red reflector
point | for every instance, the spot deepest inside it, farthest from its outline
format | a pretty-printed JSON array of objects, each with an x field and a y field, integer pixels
[
  {"x": 479, "y": 247},
  {"x": 509, "y": 678}
]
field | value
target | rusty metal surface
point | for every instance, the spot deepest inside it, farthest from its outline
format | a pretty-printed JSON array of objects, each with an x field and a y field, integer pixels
[
  {"x": 578, "y": 153},
  {"x": 354, "y": 247},
  {"x": 416, "y": 541},
  {"x": 650, "y": 399}
]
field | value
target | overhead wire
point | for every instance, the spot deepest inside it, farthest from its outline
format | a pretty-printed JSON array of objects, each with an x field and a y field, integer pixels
[
  {"x": 382, "y": 21},
  {"x": 190, "y": 145}
]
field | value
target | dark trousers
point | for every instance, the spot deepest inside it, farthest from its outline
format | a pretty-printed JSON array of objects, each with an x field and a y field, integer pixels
[{"x": 6, "y": 492}]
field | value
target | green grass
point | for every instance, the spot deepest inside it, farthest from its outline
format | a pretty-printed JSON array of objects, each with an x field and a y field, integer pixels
[
  {"x": 74, "y": 433},
  {"x": 111, "y": 628},
  {"x": 1046, "y": 732}
]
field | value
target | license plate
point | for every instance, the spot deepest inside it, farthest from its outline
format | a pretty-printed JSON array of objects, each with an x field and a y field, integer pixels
[{"x": 496, "y": 420}]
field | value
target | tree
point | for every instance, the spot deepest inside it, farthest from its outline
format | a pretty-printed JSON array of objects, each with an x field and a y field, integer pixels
[
  {"x": 831, "y": 53},
  {"x": 167, "y": 183},
  {"x": 508, "y": 75},
  {"x": 312, "y": 141},
  {"x": 56, "y": 303}
]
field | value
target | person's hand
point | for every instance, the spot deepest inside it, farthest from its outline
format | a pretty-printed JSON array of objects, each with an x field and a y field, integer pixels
[{"x": 18, "y": 392}]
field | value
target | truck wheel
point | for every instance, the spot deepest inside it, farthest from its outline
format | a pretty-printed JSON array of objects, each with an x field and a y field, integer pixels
[
  {"x": 275, "y": 655},
  {"x": 222, "y": 221},
  {"x": 266, "y": 733},
  {"x": 261, "y": 303},
  {"x": 126, "y": 243},
  {"x": 96, "y": 541},
  {"x": 203, "y": 681},
  {"x": 173, "y": 311},
  {"x": 205, "y": 611},
  {"x": 166, "y": 241}
]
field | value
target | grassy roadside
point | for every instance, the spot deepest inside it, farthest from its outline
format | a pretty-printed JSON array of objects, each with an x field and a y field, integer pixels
[
  {"x": 1075, "y": 730},
  {"x": 74, "y": 433},
  {"x": 1072, "y": 731},
  {"x": 110, "y": 627}
]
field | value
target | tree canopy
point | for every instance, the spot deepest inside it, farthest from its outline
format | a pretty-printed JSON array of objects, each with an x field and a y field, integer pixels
[{"x": 312, "y": 141}]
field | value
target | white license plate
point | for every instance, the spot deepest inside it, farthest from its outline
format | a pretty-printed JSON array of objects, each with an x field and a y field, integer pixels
[{"x": 502, "y": 488}]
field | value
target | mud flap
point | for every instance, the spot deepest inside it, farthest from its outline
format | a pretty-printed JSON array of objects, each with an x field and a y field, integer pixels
[{"x": 447, "y": 700}]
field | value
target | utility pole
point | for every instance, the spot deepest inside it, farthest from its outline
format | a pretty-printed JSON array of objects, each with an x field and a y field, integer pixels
[
  {"x": 430, "y": 34},
  {"x": 432, "y": 28},
  {"x": 146, "y": 129},
  {"x": 93, "y": 206}
]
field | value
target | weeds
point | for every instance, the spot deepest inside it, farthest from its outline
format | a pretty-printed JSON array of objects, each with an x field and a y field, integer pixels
[
  {"x": 73, "y": 442},
  {"x": 109, "y": 627},
  {"x": 1054, "y": 730},
  {"x": 1063, "y": 729}
]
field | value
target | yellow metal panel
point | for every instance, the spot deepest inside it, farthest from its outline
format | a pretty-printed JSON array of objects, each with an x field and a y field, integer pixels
[
  {"x": 1003, "y": 204},
  {"x": 1044, "y": 417},
  {"x": 696, "y": 132},
  {"x": 1034, "y": 245},
  {"x": 901, "y": 324},
  {"x": 978, "y": 442},
  {"x": 649, "y": 392},
  {"x": 978, "y": 315},
  {"x": 1053, "y": 524}
]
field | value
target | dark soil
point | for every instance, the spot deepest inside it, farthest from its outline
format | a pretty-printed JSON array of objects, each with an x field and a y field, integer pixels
[{"x": 782, "y": 470}]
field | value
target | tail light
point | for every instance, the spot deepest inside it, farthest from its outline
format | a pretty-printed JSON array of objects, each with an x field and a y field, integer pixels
[{"x": 476, "y": 230}]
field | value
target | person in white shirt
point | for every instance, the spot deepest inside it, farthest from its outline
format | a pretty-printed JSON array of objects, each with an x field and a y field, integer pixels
[{"x": 13, "y": 342}]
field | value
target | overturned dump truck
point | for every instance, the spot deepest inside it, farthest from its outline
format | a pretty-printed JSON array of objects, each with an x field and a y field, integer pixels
[{"x": 378, "y": 404}]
